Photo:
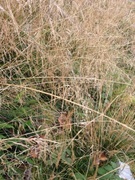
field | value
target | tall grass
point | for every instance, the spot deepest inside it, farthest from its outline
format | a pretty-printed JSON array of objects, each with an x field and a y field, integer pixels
[{"x": 59, "y": 57}]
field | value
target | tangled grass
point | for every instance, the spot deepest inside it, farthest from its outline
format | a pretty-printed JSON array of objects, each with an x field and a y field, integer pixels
[{"x": 61, "y": 57}]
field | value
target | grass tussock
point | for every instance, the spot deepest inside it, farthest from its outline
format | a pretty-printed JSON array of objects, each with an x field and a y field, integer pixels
[{"x": 67, "y": 88}]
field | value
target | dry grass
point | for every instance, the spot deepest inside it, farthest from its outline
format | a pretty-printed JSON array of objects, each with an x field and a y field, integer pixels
[{"x": 58, "y": 56}]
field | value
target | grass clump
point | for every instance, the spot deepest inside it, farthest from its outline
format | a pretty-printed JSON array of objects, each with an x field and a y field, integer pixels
[{"x": 67, "y": 89}]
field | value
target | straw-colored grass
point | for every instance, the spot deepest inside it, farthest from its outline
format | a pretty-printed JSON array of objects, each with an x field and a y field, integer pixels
[{"x": 66, "y": 56}]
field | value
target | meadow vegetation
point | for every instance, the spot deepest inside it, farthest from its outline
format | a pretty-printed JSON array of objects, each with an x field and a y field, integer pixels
[{"x": 67, "y": 82}]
